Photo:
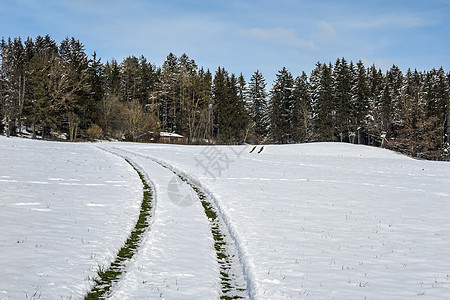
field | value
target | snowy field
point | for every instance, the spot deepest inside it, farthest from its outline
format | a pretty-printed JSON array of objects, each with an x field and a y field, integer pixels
[{"x": 312, "y": 221}]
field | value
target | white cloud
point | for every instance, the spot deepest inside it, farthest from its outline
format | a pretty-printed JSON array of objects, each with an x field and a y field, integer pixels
[
  {"x": 325, "y": 31},
  {"x": 402, "y": 20},
  {"x": 279, "y": 35}
]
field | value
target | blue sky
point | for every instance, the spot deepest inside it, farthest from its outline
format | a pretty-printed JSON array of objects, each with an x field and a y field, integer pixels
[{"x": 244, "y": 36}]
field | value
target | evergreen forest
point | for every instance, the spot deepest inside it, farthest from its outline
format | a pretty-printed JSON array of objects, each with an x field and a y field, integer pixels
[{"x": 58, "y": 91}]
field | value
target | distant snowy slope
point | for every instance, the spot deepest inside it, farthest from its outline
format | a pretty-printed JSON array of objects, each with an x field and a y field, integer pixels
[
  {"x": 328, "y": 220},
  {"x": 310, "y": 221}
]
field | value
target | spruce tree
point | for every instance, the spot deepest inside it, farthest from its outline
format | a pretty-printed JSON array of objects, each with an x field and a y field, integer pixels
[
  {"x": 258, "y": 106},
  {"x": 185, "y": 84},
  {"x": 412, "y": 114},
  {"x": 436, "y": 96},
  {"x": 96, "y": 84},
  {"x": 437, "y": 93},
  {"x": 15, "y": 83},
  {"x": 130, "y": 78},
  {"x": 395, "y": 81},
  {"x": 360, "y": 103},
  {"x": 223, "y": 107},
  {"x": 38, "y": 108},
  {"x": 301, "y": 113},
  {"x": 201, "y": 122},
  {"x": 231, "y": 118},
  {"x": 376, "y": 81},
  {"x": 385, "y": 112},
  {"x": 281, "y": 107},
  {"x": 343, "y": 95},
  {"x": 40, "y": 111},
  {"x": 323, "y": 103},
  {"x": 70, "y": 86},
  {"x": 242, "y": 118},
  {"x": 167, "y": 92},
  {"x": 148, "y": 77},
  {"x": 447, "y": 127},
  {"x": 2, "y": 83},
  {"x": 111, "y": 73},
  {"x": 46, "y": 46}
]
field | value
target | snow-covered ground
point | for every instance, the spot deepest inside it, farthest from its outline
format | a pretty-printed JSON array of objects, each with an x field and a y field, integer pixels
[
  {"x": 312, "y": 221},
  {"x": 176, "y": 260},
  {"x": 65, "y": 210}
]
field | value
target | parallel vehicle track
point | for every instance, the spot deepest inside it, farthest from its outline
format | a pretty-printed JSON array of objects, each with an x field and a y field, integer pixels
[
  {"x": 107, "y": 277},
  {"x": 232, "y": 278}
]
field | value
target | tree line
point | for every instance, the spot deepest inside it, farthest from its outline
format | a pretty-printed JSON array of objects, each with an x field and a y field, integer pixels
[{"x": 58, "y": 91}]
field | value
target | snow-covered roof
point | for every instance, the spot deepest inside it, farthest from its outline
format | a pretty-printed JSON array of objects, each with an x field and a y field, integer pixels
[{"x": 170, "y": 134}]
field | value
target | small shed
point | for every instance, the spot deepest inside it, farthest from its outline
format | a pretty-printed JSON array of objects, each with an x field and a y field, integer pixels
[{"x": 172, "y": 138}]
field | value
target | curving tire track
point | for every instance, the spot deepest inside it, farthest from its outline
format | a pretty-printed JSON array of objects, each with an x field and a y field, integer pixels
[
  {"x": 107, "y": 277},
  {"x": 236, "y": 282},
  {"x": 231, "y": 275}
]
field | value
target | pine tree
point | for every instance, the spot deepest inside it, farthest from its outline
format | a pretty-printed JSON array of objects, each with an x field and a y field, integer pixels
[
  {"x": 395, "y": 81},
  {"x": 46, "y": 46},
  {"x": 69, "y": 86},
  {"x": 360, "y": 103},
  {"x": 258, "y": 106},
  {"x": 376, "y": 81},
  {"x": 148, "y": 78},
  {"x": 242, "y": 118},
  {"x": 343, "y": 95},
  {"x": 2, "y": 84},
  {"x": 231, "y": 118},
  {"x": 14, "y": 60},
  {"x": 186, "y": 65},
  {"x": 96, "y": 84},
  {"x": 167, "y": 92},
  {"x": 281, "y": 107},
  {"x": 201, "y": 117},
  {"x": 223, "y": 108},
  {"x": 436, "y": 96},
  {"x": 324, "y": 108},
  {"x": 20, "y": 74},
  {"x": 412, "y": 113},
  {"x": 111, "y": 73},
  {"x": 437, "y": 93},
  {"x": 302, "y": 110},
  {"x": 447, "y": 127},
  {"x": 184, "y": 89},
  {"x": 198, "y": 112},
  {"x": 130, "y": 78},
  {"x": 385, "y": 112},
  {"x": 38, "y": 108},
  {"x": 387, "y": 109},
  {"x": 110, "y": 102}
]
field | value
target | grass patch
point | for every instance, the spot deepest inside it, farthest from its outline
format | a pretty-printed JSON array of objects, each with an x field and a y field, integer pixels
[
  {"x": 106, "y": 277},
  {"x": 227, "y": 278},
  {"x": 223, "y": 258}
]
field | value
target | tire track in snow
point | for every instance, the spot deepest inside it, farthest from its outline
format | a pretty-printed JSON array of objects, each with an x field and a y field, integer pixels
[
  {"x": 233, "y": 284},
  {"x": 235, "y": 271},
  {"x": 107, "y": 277}
]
